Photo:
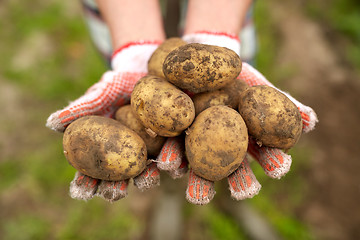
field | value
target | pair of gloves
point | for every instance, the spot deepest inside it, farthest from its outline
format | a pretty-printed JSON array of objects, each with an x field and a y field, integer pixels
[{"x": 129, "y": 64}]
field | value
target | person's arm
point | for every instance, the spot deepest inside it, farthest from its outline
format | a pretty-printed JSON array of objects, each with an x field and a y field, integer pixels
[
  {"x": 132, "y": 20},
  {"x": 216, "y": 16}
]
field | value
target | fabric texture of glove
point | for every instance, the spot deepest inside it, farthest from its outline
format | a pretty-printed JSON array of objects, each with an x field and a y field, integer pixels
[{"x": 129, "y": 64}]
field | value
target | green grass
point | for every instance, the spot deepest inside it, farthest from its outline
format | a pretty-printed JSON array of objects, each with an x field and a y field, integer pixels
[
  {"x": 26, "y": 227},
  {"x": 50, "y": 53},
  {"x": 208, "y": 222},
  {"x": 47, "y": 55},
  {"x": 278, "y": 200},
  {"x": 342, "y": 17}
]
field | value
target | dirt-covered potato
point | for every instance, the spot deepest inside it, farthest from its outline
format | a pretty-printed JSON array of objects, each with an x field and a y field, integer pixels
[
  {"x": 200, "y": 67},
  {"x": 228, "y": 96},
  {"x": 271, "y": 117},
  {"x": 161, "y": 107},
  {"x": 126, "y": 116},
  {"x": 103, "y": 148},
  {"x": 156, "y": 60},
  {"x": 216, "y": 143}
]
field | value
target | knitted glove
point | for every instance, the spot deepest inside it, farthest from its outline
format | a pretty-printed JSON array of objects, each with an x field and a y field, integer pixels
[
  {"x": 129, "y": 64},
  {"x": 243, "y": 183}
]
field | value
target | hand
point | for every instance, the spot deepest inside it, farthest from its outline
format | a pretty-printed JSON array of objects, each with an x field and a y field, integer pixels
[
  {"x": 129, "y": 64},
  {"x": 243, "y": 183}
]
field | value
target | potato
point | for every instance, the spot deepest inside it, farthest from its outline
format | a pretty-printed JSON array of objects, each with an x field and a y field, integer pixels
[
  {"x": 103, "y": 148},
  {"x": 271, "y": 117},
  {"x": 216, "y": 143},
  {"x": 126, "y": 116},
  {"x": 161, "y": 107},
  {"x": 200, "y": 67},
  {"x": 228, "y": 96},
  {"x": 156, "y": 60}
]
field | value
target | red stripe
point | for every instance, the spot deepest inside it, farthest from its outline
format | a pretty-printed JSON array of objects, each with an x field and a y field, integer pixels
[
  {"x": 232, "y": 36},
  {"x": 134, "y": 43}
]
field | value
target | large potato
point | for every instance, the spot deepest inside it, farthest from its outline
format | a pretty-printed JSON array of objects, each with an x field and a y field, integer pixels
[
  {"x": 199, "y": 67},
  {"x": 126, "y": 116},
  {"x": 103, "y": 148},
  {"x": 161, "y": 107},
  {"x": 216, "y": 143},
  {"x": 228, "y": 96},
  {"x": 156, "y": 61},
  {"x": 271, "y": 117}
]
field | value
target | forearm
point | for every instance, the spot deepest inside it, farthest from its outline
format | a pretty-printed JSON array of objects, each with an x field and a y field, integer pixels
[
  {"x": 132, "y": 20},
  {"x": 214, "y": 15}
]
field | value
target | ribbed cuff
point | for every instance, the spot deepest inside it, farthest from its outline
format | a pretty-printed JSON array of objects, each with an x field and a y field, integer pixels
[
  {"x": 221, "y": 39},
  {"x": 133, "y": 56}
]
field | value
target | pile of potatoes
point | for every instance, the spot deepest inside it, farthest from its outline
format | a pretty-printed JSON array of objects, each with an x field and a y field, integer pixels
[{"x": 191, "y": 90}]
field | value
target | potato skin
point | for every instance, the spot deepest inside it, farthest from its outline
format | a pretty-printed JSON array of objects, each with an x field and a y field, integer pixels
[
  {"x": 271, "y": 117},
  {"x": 156, "y": 60},
  {"x": 103, "y": 148},
  {"x": 227, "y": 96},
  {"x": 216, "y": 143},
  {"x": 126, "y": 116},
  {"x": 200, "y": 67},
  {"x": 162, "y": 107}
]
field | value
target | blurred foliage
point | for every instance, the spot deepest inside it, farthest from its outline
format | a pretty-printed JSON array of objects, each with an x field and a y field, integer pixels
[
  {"x": 278, "y": 200},
  {"x": 48, "y": 49},
  {"x": 47, "y": 54},
  {"x": 209, "y": 223},
  {"x": 342, "y": 16}
]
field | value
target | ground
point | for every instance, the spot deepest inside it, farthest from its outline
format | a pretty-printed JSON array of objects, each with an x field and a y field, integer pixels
[
  {"x": 325, "y": 81},
  {"x": 43, "y": 66}
]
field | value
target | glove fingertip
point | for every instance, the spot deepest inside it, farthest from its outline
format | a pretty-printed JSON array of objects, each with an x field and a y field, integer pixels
[
  {"x": 180, "y": 171},
  {"x": 249, "y": 192},
  {"x": 83, "y": 190},
  {"x": 199, "y": 190},
  {"x": 112, "y": 191},
  {"x": 171, "y": 155},
  {"x": 243, "y": 183},
  {"x": 54, "y": 123},
  {"x": 148, "y": 179},
  {"x": 309, "y": 118}
]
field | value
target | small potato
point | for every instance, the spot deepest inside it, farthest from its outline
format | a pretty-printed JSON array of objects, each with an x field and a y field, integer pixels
[
  {"x": 200, "y": 67},
  {"x": 216, "y": 143},
  {"x": 103, "y": 148},
  {"x": 161, "y": 107},
  {"x": 271, "y": 117},
  {"x": 227, "y": 96},
  {"x": 156, "y": 60},
  {"x": 126, "y": 116}
]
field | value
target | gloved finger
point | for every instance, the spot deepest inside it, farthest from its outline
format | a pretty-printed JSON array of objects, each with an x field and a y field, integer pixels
[
  {"x": 112, "y": 190},
  {"x": 243, "y": 183},
  {"x": 274, "y": 161},
  {"x": 149, "y": 178},
  {"x": 103, "y": 98},
  {"x": 199, "y": 190},
  {"x": 253, "y": 77},
  {"x": 180, "y": 171},
  {"x": 171, "y": 154},
  {"x": 83, "y": 187}
]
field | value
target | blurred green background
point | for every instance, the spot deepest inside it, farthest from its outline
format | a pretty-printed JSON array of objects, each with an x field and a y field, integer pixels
[{"x": 47, "y": 59}]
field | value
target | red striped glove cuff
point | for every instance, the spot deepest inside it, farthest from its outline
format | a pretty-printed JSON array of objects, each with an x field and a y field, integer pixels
[
  {"x": 221, "y": 39},
  {"x": 133, "y": 56}
]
